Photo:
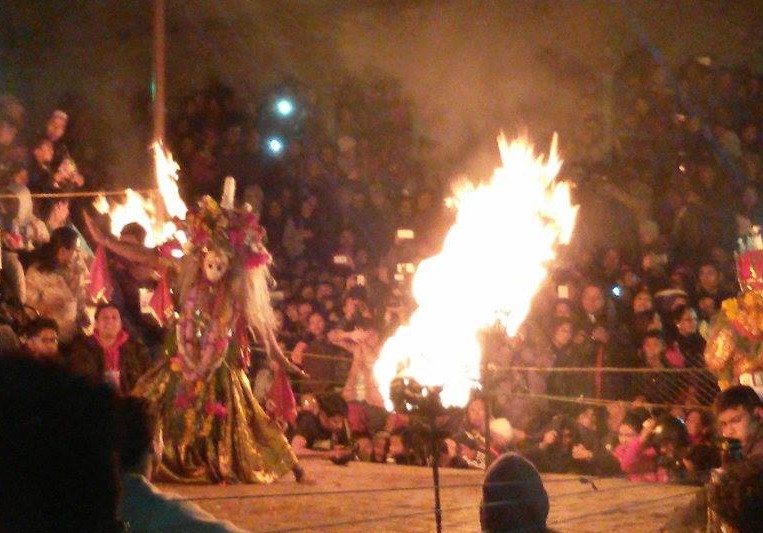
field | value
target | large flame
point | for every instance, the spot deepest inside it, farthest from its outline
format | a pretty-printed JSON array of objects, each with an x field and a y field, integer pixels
[
  {"x": 155, "y": 215},
  {"x": 493, "y": 260}
]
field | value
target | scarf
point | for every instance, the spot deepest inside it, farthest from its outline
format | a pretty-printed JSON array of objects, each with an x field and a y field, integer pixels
[{"x": 111, "y": 353}]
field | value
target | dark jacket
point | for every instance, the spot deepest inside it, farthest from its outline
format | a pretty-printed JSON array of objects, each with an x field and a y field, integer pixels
[{"x": 87, "y": 358}]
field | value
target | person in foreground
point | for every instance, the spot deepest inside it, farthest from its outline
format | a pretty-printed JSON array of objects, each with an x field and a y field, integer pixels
[
  {"x": 57, "y": 467},
  {"x": 143, "y": 506},
  {"x": 513, "y": 497}
]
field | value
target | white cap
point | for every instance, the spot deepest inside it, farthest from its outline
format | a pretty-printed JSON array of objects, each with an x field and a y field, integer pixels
[{"x": 502, "y": 428}]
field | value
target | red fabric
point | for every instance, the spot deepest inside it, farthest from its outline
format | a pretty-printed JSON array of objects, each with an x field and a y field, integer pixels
[
  {"x": 112, "y": 352},
  {"x": 674, "y": 357},
  {"x": 161, "y": 302},
  {"x": 282, "y": 398},
  {"x": 101, "y": 286}
]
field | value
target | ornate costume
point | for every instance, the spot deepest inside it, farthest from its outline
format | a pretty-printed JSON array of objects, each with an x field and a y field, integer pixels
[
  {"x": 735, "y": 344},
  {"x": 214, "y": 429}
]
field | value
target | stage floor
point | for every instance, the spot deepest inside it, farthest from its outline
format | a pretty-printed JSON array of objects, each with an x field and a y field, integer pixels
[{"x": 406, "y": 504}]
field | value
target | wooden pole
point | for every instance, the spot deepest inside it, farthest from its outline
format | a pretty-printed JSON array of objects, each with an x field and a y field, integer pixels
[{"x": 159, "y": 72}]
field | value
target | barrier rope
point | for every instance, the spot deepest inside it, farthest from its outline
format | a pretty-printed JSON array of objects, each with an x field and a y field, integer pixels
[
  {"x": 603, "y": 402},
  {"x": 372, "y": 491},
  {"x": 81, "y": 194},
  {"x": 621, "y": 509}
]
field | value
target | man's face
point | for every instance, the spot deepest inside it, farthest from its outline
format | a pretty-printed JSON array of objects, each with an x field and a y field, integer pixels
[
  {"x": 687, "y": 323},
  {"x": 334, "y": 424},
  {"x": 55, "y": 128},
  {"x": 7, "y": 134},
  {"x": 737, "y": 423},
  {"x": 563, "y": 334},
  {"x": 587, "y": 419},
  {"x": 316, "y": 325},
  {"x": 708, "y": 277},
  {"x": 592, "y": 300},
  {"x": 44, "y": 343},
  {"x": 642, "y": 302},
  {"x": 43, "y": 153},
  {"x": 109, "y": 322},
  {"x": 653, "y": 350}
]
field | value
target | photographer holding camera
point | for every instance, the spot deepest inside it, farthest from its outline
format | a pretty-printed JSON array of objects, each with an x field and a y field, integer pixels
[{"x": 738, "y": 411}]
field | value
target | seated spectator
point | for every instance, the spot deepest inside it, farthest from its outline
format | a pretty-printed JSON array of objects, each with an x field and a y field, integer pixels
[
  {"x": 143, "y": 506},
  {"x": 110, "y": 354},
  {"x": 710, "y": 284},
  {"x": 703, "y": 453},
  {"x": 637, "y": 460},
  {"x": 659, "y": 386},
  {"x": 40, "y": 340},
  {"x": 562, "y": 450},
  {"x": 321, "y": 428},
  {"x": 513, "y": 497},
  {"x": 670, "y": 440},
  {"x": 57, "y": 464},
  {"x": 55, "y": 284},
  {"x": 470, "y": 437},
  {"x": 319, "y": 358}
]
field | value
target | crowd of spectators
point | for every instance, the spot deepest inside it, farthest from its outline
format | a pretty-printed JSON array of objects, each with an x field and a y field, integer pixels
[{"x": 350, "y": 209}]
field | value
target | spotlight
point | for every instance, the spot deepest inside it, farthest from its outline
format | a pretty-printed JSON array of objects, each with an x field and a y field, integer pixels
[
  {"x": 284, "y": 107},
  {"x": 275, "y": 145}
]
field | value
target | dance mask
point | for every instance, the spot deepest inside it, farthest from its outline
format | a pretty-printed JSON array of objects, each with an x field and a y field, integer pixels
[{"x": 215, "y": 265}]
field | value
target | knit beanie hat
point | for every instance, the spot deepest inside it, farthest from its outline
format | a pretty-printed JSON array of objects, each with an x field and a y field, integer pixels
[{"x": 513, "y": 496}]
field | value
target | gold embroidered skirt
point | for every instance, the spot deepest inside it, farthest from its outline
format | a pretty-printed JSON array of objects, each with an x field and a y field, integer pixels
[{"x": 214, "y": 430}]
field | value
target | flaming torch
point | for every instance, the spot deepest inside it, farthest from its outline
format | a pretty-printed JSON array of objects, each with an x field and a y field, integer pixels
[
  {"x": 156, "y": 215},
  {"x": 493, "y": 260}
]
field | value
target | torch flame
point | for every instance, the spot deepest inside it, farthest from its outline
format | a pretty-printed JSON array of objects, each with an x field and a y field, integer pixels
[
  {"x": 493, "y": 260},
  {"x": 167, "y": 180},
  {"x": 152, "y": 215}
]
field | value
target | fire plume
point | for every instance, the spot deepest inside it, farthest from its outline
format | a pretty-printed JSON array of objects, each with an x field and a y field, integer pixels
[
  {"x": 493, "y": 260},
  {"x": 155, "y": 214}
]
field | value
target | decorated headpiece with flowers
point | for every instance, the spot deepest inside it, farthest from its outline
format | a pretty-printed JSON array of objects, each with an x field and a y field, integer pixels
[{"x": 235, "y": 233}]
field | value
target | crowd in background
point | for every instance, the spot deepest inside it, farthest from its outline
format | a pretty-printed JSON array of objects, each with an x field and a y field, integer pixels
[{"x": 349, "y": 209}]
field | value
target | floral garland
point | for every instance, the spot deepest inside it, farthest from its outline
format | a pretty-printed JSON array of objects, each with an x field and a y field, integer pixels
[
  {"x": 735, "y": 342},
  {"x": 238, "y": 234},
  {"x": 745, "y": 313}
]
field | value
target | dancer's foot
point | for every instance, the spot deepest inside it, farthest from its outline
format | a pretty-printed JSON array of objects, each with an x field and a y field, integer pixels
[{"x": 301, "y": 476}]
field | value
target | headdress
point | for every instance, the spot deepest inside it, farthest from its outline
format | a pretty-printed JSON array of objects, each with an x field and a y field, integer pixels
[
  {"x": 735, "y": 343},
  {"x": 237, "y": 234}
]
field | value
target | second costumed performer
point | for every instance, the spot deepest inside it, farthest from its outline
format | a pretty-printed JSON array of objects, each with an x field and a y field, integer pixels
[{"x": 213, "y": 428}]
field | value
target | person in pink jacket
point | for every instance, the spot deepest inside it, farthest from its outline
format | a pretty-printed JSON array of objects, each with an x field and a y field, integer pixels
[{"x": 638, "y": 460}]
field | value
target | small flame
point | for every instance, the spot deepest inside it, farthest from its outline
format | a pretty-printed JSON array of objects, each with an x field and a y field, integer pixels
[
  {"x": 493, "y": 260},
  {"x": 147, "y": 212}
]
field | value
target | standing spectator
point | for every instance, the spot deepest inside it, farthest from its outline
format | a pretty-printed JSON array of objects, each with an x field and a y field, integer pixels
[
  {"x": 55, "y": 283},
  {"x": 57, "y": 462},
  {"x": 11, "y": 152},
  {"x": 110, "y": 354},
  {"x": 366, "y": 412}
]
